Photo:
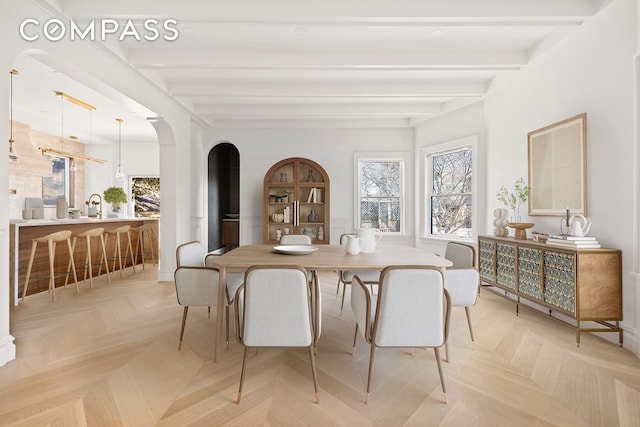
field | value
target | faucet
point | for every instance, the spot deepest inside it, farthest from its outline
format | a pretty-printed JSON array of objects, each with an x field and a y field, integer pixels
[{"x": 99, "y": 203}]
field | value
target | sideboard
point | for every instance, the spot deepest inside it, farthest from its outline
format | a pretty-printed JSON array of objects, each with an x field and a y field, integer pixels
[{"x": 582, "y": 284}]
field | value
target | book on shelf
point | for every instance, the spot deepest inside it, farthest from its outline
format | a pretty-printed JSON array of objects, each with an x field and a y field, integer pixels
[
  {"x": 317, "y": 195},
  {"x": 572, "y": 238},
  {"x": 312, "y": 193}
]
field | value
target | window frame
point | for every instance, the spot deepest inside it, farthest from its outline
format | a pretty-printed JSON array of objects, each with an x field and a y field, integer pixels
[
  {"x": 427, "y": 154},
  {"x": 404, "y": 159}
]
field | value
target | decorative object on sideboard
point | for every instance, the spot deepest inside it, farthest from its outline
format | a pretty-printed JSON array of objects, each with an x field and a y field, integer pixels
[
  {"x": 13, "y": 154},
  {"x": 520, "y": 229},
  {"x": 515, "y": 199},
  {"x": 500, "y": 222},
  {"x": 539, "y": 237},
  {"x": 579, "y": 225}
]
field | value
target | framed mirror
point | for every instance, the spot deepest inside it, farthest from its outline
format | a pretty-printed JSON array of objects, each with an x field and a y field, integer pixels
[{"x": 558, "y": 168}]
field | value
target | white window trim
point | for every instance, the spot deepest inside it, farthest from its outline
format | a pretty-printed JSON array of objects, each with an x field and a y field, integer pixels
[
  {"x": 468, "y": 141},
  {"x": 392, "y": 156}
]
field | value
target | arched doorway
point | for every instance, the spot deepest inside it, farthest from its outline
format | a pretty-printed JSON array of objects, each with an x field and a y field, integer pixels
[{"x": 223, "y": 190}]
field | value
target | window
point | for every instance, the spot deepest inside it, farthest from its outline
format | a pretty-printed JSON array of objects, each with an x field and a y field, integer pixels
[
  {"x": 57, "y": 184},
  {"x": 380, "y": 188},
  {"x": 146, "y": 197},
  {"x": 449, "y": 187}
]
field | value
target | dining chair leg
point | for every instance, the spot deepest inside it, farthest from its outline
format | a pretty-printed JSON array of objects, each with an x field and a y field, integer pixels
[
  {"x": 313, "y": 372},
  {"x": 344, "y": 291},
  {"x": 446, "y": 351},
  {"x": 355, "y": 336},
  {"x": 244, "y": 364},
  {"x": 209, "y": 312},
  {"x": 226, "y": 313},
  {"x": 444, "y": 390},
  {"x": 468, "y": 312},
  {"x": 338, "y": 287},
  {"x": 184, "y": 321},
  {"x": 371, "y": 357}
]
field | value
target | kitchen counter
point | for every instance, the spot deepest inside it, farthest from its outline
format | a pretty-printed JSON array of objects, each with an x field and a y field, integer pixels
[{"x": 21, "y": 233}]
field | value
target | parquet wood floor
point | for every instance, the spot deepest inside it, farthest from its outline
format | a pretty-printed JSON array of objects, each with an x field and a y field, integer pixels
[{"x": 109, "y": 357}]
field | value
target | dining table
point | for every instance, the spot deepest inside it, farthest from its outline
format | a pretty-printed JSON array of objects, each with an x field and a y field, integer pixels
[{"x": 317, "y": 258}]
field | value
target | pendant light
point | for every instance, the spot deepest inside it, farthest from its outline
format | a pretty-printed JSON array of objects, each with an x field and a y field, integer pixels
[
  {"x": 119, "y": 172},
  {"x": 13, "y": 154}
]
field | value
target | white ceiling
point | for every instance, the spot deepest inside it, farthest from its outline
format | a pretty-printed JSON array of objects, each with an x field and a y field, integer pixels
[{"x": 302, "y": 62}]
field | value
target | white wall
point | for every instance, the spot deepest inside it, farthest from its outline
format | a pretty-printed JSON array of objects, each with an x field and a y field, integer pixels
[
  {"x": 593, "y": 73},
  {"x": 333, "y": 149}
]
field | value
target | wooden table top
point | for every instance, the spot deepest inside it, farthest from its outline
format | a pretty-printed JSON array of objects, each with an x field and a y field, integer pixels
[{"x": 330, "y": 257}]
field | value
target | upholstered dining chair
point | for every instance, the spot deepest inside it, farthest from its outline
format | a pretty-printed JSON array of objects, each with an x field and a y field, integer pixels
[
  {"x": 232, "y": 283},
  {"x": 411, "y": 310},
  {"x": 460, "y": 254},
  {"x": 345, "y": 277},
  {"x": 299, "y": 239},
  {"x": 196, "y": 284},
  {"x": 273, "y": 308},
  {"x": 462, "y": 285},
  {"x": 295, "y": 239}
]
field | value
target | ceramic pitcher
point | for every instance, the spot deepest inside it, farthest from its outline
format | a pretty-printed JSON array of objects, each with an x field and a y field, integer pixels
[
  {"x": 353, "y": 245},
  {"x": 370, "y": 237}
]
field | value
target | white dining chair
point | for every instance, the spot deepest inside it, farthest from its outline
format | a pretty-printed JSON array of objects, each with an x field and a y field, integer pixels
[
  {"x": 191, "y": 255},
  {"x": 462, "y": 285},
  {"x": 232, "y": 283},
  {"x": 295, "y": 239},
  {"x": 299, "y": 239},
  {"x": 196, "y": 285},
  {"x": 411, "y": 310},
  {"x": 460, "y": 254},
  {"x": 273, "y": 308},
  {"x": 370, "y": 277}
]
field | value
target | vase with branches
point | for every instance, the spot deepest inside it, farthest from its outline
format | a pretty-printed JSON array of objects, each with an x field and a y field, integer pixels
[{"x": 514, "y": 199}]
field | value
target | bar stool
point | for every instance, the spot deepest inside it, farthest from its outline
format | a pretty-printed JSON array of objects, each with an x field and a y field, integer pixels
[
  {"x": 88, "y": 264},
  {"x": 142, "y": 232},
  {"x": 51, "y": 240},
  {"x": 117, "y": 252}
]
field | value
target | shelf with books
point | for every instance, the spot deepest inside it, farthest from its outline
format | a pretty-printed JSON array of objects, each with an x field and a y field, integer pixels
[{"x": 298, "y": 189}]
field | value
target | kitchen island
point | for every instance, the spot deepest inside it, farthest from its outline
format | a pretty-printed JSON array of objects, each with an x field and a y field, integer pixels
[{"x": 21, "y": 233}]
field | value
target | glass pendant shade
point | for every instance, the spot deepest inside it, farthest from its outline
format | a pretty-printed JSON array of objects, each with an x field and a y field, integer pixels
[
  {"x": 13, "y": 154},
  {"x": 119, "y": 171}
]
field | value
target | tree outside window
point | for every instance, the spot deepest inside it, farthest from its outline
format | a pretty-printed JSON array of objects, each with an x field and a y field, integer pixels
[
  {"x": 380, "y": 187},
  {"x": 450, "y": 208}
]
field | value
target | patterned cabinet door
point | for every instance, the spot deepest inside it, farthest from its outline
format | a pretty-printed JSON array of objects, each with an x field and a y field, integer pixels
[
  {"x": 530, "y": 272},
  {"x": 506, "y": 265},
  {"x": 487, "y": 260},
  {"x": 560, "y": 280}
]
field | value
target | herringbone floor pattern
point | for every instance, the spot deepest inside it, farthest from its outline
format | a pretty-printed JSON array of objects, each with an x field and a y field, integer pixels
[{"x": 109, "y": 357}]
